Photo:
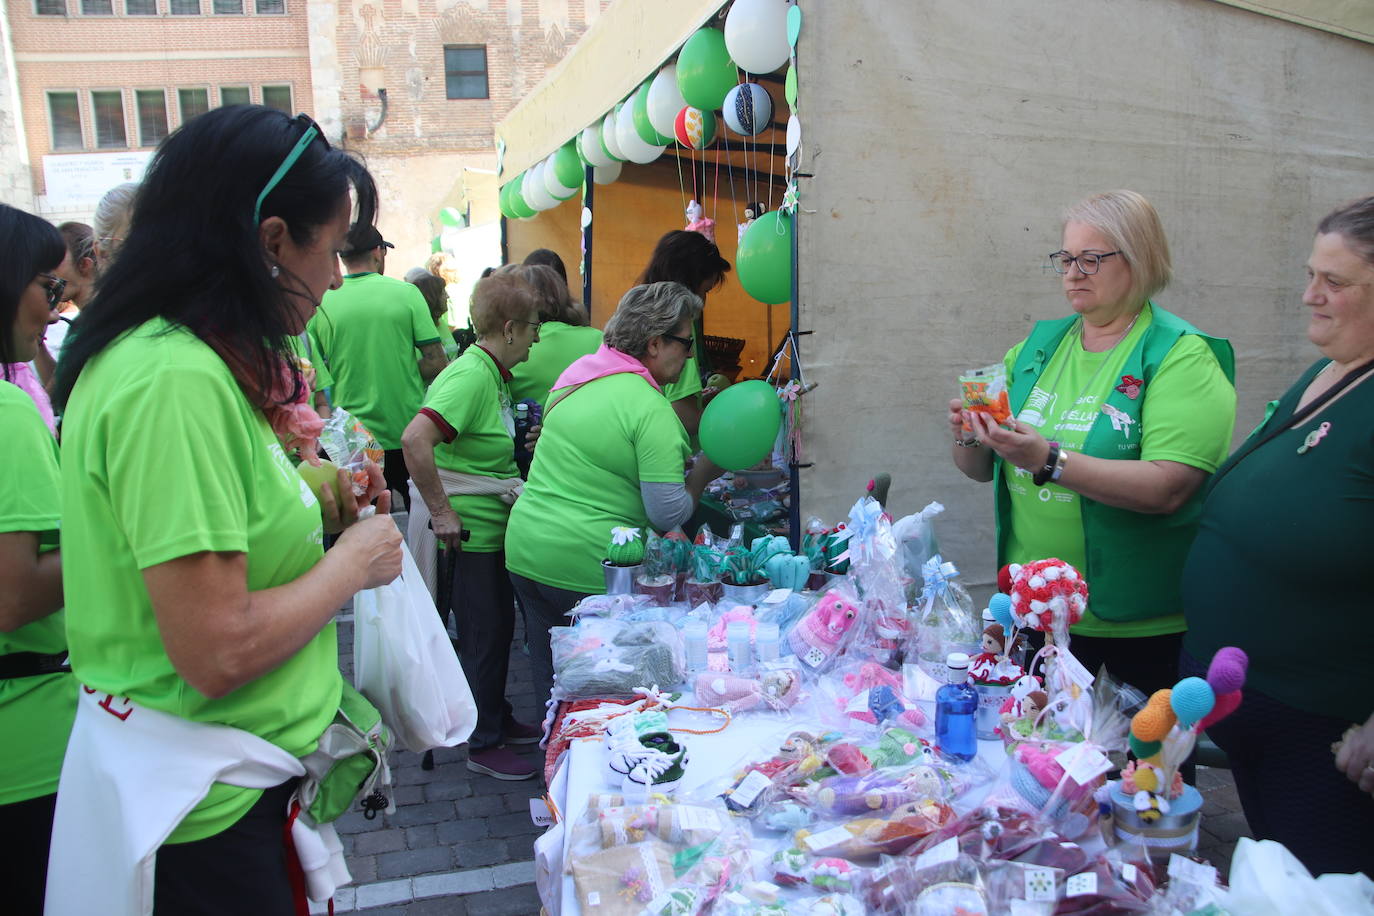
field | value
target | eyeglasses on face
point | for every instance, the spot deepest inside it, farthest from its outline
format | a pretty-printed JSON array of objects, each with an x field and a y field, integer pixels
[
  {"x": 534, "y": 325},
  {"x": 56, "y": 288},
  {"x": 312, "y": 130},
  {"x": 1088, "y": 262},
  {"x": 688, "y": 343}
]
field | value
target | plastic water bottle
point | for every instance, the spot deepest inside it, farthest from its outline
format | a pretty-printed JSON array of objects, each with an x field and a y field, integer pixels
[{"x": 956, "y": 711}]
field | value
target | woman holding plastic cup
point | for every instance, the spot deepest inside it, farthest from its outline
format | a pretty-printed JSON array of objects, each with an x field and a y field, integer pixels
[
  {"x": 1119, "y": 412},
  {"x": 200, "y": 604}
]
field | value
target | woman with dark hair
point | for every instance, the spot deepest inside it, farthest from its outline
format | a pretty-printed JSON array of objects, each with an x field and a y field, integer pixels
[
  {"x": 200, "y": 604},
  {"x": 693, "y": 260},
  {"x": 432, "y": 287},
  {"x": 548, "y": 258},
  {"x": 563, "y": 334},
  {"x": 37, "y": 692}
]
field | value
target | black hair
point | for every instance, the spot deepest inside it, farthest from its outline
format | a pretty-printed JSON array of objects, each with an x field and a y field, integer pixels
[
  {"x": 193, "y": 255},
  {"x": 689, "y": 258},
  {"x": 549, "y": 258},
  {"x": 32, "y": 246},
  {"x": 1354, "y": 221}
]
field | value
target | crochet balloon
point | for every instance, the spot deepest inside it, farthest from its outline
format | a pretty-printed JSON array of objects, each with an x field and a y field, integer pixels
[
  {"x": 1191, "y": 699},
  {"x": 1143, "y": 750},
  {"x": 1048, "y": 595},
  {"x": 1154, "y": 721},
  {"x": 1226, "y": 674},
  {"x": 1000, "y": 606}
]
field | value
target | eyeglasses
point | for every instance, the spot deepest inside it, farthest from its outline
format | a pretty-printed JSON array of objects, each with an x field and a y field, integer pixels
[
  {"x": 1088, "y": 262},
  {"x": 535, "y": 325},
  {"x": 56, "y": 288},
  {"x": 688, "y": 343},
  {"x": 312, "y": 130}
]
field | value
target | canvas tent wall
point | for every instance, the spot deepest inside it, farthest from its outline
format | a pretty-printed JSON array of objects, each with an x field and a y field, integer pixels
[{"x": 944, "y": 140}]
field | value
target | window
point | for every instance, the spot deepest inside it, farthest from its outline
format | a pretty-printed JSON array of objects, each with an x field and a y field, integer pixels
[
  {"x": 184, "y": 7},
  {"x": 193, "y": 102},
  {"x": 465, "y": 71},
  {"x": 271, "y": 7},
  {"x": 152, "y": 116},
  {"x": 140, "y": 7},
  {"x": 97, "y": 7},
  {"x": 278, "y": 97},
  {"x": 50, "y": 7},
  {"x": 107, "y": 110},
  {"x": 65, "y": 115},
  {"x": 228, "y": 7},
  {"x": 234, "y": 95}
]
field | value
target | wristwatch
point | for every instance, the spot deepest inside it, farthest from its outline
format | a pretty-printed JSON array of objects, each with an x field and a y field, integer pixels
[
  {"x": 1060, "y": 465},
  {"x": 1046, "y": 473}
]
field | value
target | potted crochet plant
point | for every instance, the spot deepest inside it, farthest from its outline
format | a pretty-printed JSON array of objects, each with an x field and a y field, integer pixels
[
  {"x": 745, "y": 574},
  {"x": 703, "y": 577},
  {"x": 656, "y": 577},
  {"x": 624, "y": 559}
]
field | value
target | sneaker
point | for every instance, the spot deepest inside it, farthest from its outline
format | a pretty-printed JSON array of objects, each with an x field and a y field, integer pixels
[
  {"x": 502, "y": 763},
  {"x": 628, "y": 748},
  {"x": 659, "y": 771},
  {"x": 520, "y": 733}
]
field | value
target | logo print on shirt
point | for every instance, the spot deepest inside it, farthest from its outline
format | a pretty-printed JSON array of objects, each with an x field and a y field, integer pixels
[
  {"x": 1120, "y": 421},
  {"x": 1038, "y": 403}
]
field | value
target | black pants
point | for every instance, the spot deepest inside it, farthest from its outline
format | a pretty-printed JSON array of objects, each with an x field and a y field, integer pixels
[
  {"x": 483, "y": 605},
  {"x": 544, "y": 606},
  {"x": 24, "y": 867},
  {"x": 240, "y": 870},
  {"x": 1147, "y": 663},
  {"x": 1288, "y": 783},
  {"x": 396, "y": 473}
]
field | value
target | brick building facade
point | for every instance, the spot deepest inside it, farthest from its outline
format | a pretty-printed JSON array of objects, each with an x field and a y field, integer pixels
[{"x": 96, "y": 78}]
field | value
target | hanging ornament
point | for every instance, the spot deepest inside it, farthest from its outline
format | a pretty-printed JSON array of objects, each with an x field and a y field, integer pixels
[
  {"x": 748, "y": 109},
  {"x": 694, "y": 128},
  {"x": 698, "y": 222}
]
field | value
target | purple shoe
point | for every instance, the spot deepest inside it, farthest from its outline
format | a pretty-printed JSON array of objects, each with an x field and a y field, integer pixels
[{"x": 502, "y": 763}]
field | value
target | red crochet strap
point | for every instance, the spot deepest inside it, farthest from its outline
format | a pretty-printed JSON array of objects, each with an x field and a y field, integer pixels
[{"x": 294, "y": 872}]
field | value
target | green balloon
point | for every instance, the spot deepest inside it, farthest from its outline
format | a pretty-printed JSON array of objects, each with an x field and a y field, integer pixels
[
  {"x": 705, "y": 72},
  {"x": 434, "y": 245},
  {"x": 740, "y": 425},
  {"x": 518, "y": 206},
  {"x": 503, "y": 201},
  {"x": 764, "y": 258},
  {"x": 640, "y": 112},
  {"x": 450, "y": 216},
  {"x": 567, "y": 166}
]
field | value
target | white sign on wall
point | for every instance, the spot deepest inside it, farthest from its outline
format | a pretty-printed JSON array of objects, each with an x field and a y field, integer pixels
[{"x": 77, "y": 181}]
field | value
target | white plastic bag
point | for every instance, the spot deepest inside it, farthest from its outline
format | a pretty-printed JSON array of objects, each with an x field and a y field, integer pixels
[
  {"x": 1268, "y": 879},
  {"x": 405, "y": 665}
]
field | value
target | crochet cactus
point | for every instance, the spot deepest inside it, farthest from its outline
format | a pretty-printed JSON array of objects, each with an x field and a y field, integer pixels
[{"x": 626, "y": 547}]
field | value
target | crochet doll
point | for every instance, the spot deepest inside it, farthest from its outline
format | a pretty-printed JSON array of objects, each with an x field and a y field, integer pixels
[
  {"x": 817, "y": 637},
  {"x": 992, "y": 666}
]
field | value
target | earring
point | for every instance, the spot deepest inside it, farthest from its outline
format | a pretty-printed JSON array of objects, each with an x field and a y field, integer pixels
[
  {"x": 275, "y": 271},
  {"x": 510, "y": 340}
]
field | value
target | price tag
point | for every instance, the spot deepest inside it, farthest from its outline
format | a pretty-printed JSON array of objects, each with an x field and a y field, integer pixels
[
  {"x": 1078, "y": 885},
  {"x": 1185, "y": 869},
  {"x": 540, "y": 813},
  {"x": 1073, "y": 668},
  {"x": 747, "y": 792},
  {"x": 1083, "y": 763},
  {"x": 1040, "y": 884},
  {"x": 692, "y": 817},
  {"x": 1129, "y": 873},
  {"x": 832, "y": 837},
  {"x": 936, "y": 855},
  {"x": 777, "y": 596}
]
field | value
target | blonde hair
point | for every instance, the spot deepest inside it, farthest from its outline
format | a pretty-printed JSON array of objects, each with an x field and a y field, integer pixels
[{"x": 1130, "y": 223}]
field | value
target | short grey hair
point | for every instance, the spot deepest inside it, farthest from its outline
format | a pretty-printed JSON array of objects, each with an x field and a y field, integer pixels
[
  {"x": 650, "y": 311},
  {"x": 112, "y": 215}
]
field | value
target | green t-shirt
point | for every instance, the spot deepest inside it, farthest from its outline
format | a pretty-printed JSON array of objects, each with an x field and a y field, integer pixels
[
  {"x": 689, "y": 382},
  {"x": 303, "y": 348},
  {"x": 1279, "y": 567},
  {"x": 597, "y": 446},
  {"x": 476, "y": 404},
  {"x": 1187, "y": 417},
  {"x": 35, "y": 712},
  {"x": 446, "y": 338},
  {"x": 164, "y": 457},
  {"x": 367, "y": 332},
  {"x": 560, "y": 345}
]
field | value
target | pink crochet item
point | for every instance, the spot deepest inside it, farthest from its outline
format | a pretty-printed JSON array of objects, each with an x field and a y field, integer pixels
[
  {"x": 295, "y": 421},
  {"x": 871, "y": 675},
  {"x": 816, "y": 638},
  {"x": 715, "y": 637},
  {"x": 1047, "y": 595},
  {"x": 1047, "y": 771}
]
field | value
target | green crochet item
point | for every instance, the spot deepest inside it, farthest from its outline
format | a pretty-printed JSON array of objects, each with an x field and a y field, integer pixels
[{"x": 626, "y": 547}]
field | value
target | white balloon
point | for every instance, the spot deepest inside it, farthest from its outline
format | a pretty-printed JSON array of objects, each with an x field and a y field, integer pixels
[
  {"x": 555, "y": 187},
  {"x": 748, "y": 109},
  {"x": 664, "y": 100},
  {"x": 591, "y": 146},
  {"x": 536, "y": 193},
  {"x": 631, "y": 143},
  {"x": 794, "y": 131},
  {"x": 756, "y": 35},
  {"x": 605, "y": 174},
  {"x": 609, "y": 138}
]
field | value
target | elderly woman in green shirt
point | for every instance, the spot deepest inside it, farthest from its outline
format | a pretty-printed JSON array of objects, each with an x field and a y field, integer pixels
[
  {"x": 612, "y": 453},
  {"x": 461, "y": 453}
]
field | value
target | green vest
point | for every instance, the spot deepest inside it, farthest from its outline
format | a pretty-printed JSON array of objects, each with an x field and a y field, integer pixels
[{"x": 1134, "y": 560}]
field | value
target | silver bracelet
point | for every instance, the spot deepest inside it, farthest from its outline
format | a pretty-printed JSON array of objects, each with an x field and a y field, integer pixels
[
  {"x": 1060, "y": 464},
  {"x": 971, "y": 443}
]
